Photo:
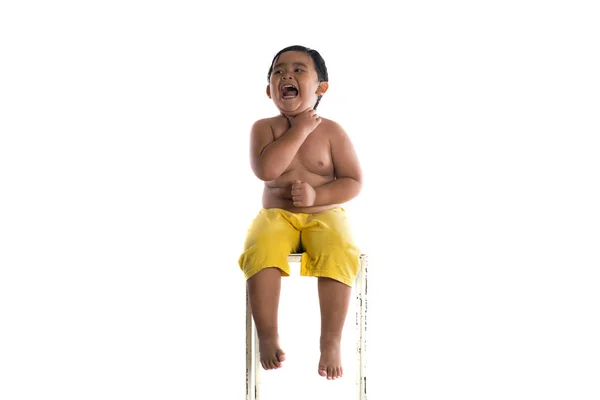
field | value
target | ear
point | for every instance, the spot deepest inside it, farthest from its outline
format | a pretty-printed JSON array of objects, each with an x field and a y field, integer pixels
[
  {"x": 269, "y": 91},
  {"x": 323, "y": 86}
]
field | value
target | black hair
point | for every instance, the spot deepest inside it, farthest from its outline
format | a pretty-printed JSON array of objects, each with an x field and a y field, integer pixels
[{"x": 317, "y": 60}]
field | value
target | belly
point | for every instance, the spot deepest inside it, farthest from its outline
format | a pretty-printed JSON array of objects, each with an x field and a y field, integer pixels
[{"x": 278, "y": 193}]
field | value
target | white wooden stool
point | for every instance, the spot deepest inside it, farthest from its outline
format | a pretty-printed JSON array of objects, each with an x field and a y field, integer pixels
[{"x": 253, "y": 358}]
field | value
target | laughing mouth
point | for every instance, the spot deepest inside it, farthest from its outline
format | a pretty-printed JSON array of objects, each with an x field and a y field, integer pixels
[{"x": 289, "y": 91}]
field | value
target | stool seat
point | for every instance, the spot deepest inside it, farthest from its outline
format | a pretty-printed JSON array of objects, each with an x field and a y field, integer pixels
[{"x": 253, "y": 357}]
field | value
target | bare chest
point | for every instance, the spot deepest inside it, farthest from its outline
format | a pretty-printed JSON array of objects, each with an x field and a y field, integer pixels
[{"x": 314, "y": 155}]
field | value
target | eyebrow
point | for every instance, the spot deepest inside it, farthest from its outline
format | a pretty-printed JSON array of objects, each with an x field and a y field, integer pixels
[{"x": 295, "y": 64}]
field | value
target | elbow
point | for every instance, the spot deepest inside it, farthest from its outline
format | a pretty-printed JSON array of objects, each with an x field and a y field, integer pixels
[
  {"x": 355, "y": 186},
  {"x": 359, "y": 185},
  {"x": 266, "y": 174},
  {"x": 267, "y": 177}
]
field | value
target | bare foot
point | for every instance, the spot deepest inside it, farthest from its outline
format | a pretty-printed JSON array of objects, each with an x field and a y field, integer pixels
[
  {"x": 330, "y": 364},
  {"x": 271, "y": 354}
]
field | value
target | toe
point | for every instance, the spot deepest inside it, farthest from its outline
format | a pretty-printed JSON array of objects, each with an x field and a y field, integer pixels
[
  {"x": 280, "y": 355},
  {"x": 322, "y": 370}
]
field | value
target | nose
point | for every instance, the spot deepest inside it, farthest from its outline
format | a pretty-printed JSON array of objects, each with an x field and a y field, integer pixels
[{"x": 286, "y": 75}]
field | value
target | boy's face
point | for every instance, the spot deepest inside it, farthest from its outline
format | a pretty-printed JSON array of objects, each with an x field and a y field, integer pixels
[{"x": 294, "y": 85}]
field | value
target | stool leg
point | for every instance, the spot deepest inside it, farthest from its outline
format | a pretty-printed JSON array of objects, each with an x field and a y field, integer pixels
[
  {"x": 252, "y": 356},
  {"x": 249, "y": 355},
  {"x": 257, "y": 366},
  {"x": 361, "y": 330}
]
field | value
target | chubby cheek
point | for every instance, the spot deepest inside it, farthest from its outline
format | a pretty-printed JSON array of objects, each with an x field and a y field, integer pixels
[{"x": 309, "y": 90}]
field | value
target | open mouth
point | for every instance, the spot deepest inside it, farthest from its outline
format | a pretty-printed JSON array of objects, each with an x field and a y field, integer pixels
[{"x": 288, "y": 91}]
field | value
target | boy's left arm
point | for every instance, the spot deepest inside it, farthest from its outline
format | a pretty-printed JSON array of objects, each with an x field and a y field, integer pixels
[{"x": 348, "y": 173}]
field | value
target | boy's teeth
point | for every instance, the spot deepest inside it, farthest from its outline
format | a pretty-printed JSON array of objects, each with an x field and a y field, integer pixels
[{"x": 289, "y": 91}]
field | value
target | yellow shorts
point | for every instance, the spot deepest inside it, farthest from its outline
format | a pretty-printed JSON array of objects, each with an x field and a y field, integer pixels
[{"x": 324, "y": 239}]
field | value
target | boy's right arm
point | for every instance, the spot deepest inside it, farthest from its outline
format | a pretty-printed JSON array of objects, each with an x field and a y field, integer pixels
[{"x": 269, "y": 157}]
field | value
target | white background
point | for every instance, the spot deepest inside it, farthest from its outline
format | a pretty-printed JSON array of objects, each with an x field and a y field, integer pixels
[{"x": 126, "y": 191}]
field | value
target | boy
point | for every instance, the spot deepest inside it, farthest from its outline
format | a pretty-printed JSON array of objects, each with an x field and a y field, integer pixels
[{"x": 310, "y": 168}]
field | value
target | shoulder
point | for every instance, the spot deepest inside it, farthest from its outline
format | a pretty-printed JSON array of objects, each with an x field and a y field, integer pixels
[
  {"x": 268, "y": 124},
  {"x": 262, "y": 130},
  {"x": 263, "y": 123},
  {"x": 334, "y": 129}
]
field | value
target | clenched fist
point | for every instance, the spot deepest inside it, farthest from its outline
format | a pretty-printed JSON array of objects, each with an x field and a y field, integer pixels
[{"x": 303, "y": 195}]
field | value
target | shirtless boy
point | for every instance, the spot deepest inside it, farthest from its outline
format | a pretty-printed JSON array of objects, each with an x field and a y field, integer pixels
[{"x": 310, "y": 169}]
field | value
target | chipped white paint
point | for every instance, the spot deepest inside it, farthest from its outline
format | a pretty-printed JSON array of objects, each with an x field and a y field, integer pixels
[
  {"x": 253, "y": 356},
  {"x": 361, "y": 329},
  {"x": 250, "y": 383}
]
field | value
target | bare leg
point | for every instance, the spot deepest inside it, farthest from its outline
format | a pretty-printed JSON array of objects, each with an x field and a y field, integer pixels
[
  {"x": 263, "y": 290},
  {"x": 334, "y": 298}
]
